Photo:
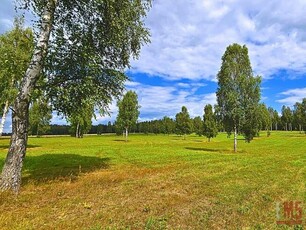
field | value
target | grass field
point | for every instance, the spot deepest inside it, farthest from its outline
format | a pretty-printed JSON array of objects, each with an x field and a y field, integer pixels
[{"x": 156, "y": 182}]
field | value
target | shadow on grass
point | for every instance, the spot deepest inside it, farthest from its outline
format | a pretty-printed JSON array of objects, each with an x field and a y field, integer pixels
[
  {"x": 6, "y": 146},
  {"x": 48, "y": 167},
  {"x": 222, "y": 151},
  {"x": 119, "y": 140},
  {"x": 198, "y": 140},
  {"x": 204, "y": 149}
]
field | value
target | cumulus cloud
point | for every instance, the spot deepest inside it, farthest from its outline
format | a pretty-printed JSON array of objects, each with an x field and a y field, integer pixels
[
  {"x": 292, "y": 96},
  {"x": 188, "y": 40},
  {"x": 159, "y": 101}
]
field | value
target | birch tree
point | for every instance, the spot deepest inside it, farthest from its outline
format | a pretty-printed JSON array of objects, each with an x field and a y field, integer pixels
[
  {"x": 168, "y": 125},
  {"x": 40, "y": 115},
  {"x": 238, "y": 93},
  {"x": 198, "y": 125},
  {"x": 16, "y": 47},
  {"x": 300, "y": 114},
  {"x": 80, "y": 120},
  {"x": 92, "y": 43},
  {"x": 183, "y": 122},
  {"x": 128, "y": 112},
  {"x": 210, "y": 128},
  {"x": 265, "y": 118},
  {"x": 287, "y": 118}
]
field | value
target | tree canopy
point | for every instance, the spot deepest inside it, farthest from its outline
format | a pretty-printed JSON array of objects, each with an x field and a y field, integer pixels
[
  {"x": 16, "y": 48},
  {"x": 128, "y": 111},
  {"x": 238, "y": 93},
  {"x": 40, "y": 116},
  {"x": 210, "y": 128},
  {"x": 80, "y": 120},
  {"x": 91, "y": 47},
  {"x": 183, "y": 122}
]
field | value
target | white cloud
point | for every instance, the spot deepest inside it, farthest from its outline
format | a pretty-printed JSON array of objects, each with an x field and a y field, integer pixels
[
  {"x": 292, "y": 96},
  {"x": 188, "y": 40},
  {"x": 159, "y": 101}
]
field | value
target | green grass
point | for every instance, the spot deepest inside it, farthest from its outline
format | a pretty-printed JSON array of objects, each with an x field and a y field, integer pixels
[{"x": 156, "y": 182}]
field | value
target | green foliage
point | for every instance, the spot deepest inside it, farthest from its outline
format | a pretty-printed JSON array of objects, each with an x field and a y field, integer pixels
[
  {"x": 109, "y": 128},
  {"x": 300, "y": 114},
  {"x": 251, "y": 126},
  {"x": 128, "y": 111},
  {"x": 167, "y": 125},
  {"x": 238, "y": 92},
  {"x": 40, "y": 115},
  {"x": 274, "y": 118},
  {"x": 91, "y": 46},
  {"x": 16, "y": 47},
  {"x": 144, "y": 127},
  {"x": 210, "y": 128},
  {"x": 183, "y": 122},
  {"x": 265, "y": 117},
  {"x": 198, "y": 125},
  {"x": 80, "y": 120},
  {"x": 287, "y": 118}
]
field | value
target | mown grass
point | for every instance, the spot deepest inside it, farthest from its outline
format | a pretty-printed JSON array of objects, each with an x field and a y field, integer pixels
[{"x": 155, "y": 182}]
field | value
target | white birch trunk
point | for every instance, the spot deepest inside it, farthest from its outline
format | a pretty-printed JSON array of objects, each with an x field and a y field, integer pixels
[
  {"x": 126, "y": 134},
  {"x": 77, "y": 133},
  {"x": 5, "y": 111},
  {"x": 300, "y": 128},
  {"x": 276, "y": 126},
  {"x": 11, "y": 172},
  {"x": 235, "y": 139}
]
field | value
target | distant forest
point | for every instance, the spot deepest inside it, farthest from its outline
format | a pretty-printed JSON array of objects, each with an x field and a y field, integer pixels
[{"x": 162, "y": 126}]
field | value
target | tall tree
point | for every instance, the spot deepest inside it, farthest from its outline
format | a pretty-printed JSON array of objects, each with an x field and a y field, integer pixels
[
  {"x": 40, "y": 116},
  {"x": 238, "y": 93},
  {"x": 265, "y": 118},
  {"x": 168, "y": 125},
  {"x": 80, "y": 120},
  {"x": 304, "y": 114},
  {"x": 198, "y": 125},
  {"x": 276, "y": 119},
  {"x": 91, "y": 45},
  {"x": 183, "y": 122},
  {"x": 210, "y": 124},
  {"x": 300, "y": 114},
  {"x": 287, "y": 118},
  {"x": 272, "y": 118},
  {"x": 128, "y": 111},
  {"x": 16, "y": 48},
  {"x": 109, "y": 128}
]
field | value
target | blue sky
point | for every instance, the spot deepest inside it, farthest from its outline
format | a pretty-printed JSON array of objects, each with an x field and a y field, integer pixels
[{"x": 188, "y": 39}]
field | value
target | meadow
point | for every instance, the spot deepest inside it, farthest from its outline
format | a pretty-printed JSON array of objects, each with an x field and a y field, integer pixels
[{"x": 156, "y": 182}]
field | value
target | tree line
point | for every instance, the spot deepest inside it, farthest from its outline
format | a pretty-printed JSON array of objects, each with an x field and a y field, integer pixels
[{"x": 269, "y": 120}]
